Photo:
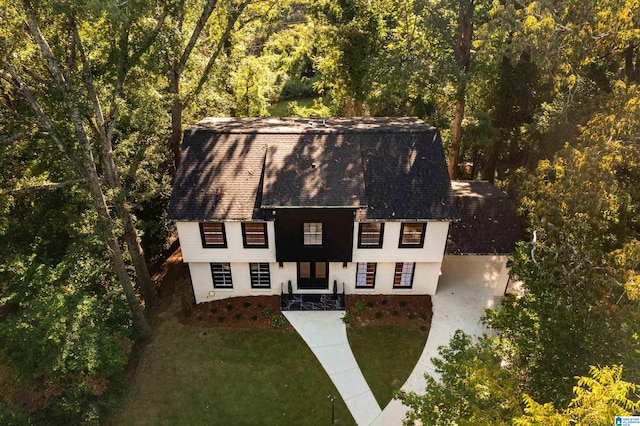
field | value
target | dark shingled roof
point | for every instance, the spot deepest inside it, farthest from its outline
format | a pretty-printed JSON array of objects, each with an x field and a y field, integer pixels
[
  {"x": 314, "y": 170},
  {"x": 387, "y": 168},
  {"x": 488, "y": 222}
]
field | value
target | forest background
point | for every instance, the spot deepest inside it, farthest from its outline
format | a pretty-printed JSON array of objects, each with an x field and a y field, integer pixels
[{"x": 540, "y": 98}]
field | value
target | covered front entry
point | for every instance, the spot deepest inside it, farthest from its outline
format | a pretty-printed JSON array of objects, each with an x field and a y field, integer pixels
[{"x": 313, "y": 275}]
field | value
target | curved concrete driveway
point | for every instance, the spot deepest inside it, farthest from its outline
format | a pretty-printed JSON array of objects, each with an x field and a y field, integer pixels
[{"x": 459, "y": 304}]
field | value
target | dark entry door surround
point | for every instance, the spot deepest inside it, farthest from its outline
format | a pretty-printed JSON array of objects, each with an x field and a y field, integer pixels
[{"x": 313, "y": 275}]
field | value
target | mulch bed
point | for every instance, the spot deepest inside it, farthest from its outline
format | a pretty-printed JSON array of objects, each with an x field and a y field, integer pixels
[
  {"x": 239, "y": 312},
  {"x": 410, "y": 311},
  {"x": 259, "y": 311}
]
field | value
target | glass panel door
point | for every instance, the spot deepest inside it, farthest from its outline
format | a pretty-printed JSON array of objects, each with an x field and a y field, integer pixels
[{"x": 313, "y": 275}]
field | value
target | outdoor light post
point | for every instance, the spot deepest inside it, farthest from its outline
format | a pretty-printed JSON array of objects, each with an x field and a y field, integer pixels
[{"x": 333, "y": 408}]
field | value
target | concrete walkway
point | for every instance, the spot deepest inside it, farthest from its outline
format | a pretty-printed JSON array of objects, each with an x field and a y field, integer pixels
[
  {"x": 458, "y": 305},
  {"x": 326, "y": 335}
]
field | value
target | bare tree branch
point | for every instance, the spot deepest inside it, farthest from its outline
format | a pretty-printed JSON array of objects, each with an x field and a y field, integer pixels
[
  {"x": 13, "y": 78},
  {"x": 46, "y": 186},
  {"x": 35, "y": 32},
  {"x": 12, "y": 138},
  {"x": 197, "y": 30},
  {"x": 233, "y": 18}
]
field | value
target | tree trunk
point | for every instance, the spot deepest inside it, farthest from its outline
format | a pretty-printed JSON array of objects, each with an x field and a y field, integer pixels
[
  {"x": 115, "y": 252},
  {"x": 104, "y": 131},
  {"x": 456, "y": 135},
  {"x": 462, "y": 48},
  {"x": 489, "y": 171},
  {"x": 87, "y": 166},
  {"x": 143, "y": 276},
  {"x": 176, "y": 115}
]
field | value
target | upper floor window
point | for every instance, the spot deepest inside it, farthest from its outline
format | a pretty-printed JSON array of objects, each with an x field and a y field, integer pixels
[
  {"x": 403, "y": 277},
  {"x": 221, "y": 273},
  {"x": 365, "y": 275},
  {"x": 412, "y": 235},
  {"x": 254, "y": 234},
  {"x": 212, "y": 234},
  {"x": 312, "y": 232},
  {"x": 370, "y": 235}
]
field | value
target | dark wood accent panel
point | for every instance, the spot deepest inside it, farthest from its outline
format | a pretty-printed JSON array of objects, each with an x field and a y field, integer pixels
[{"x": 337, "y": 235}]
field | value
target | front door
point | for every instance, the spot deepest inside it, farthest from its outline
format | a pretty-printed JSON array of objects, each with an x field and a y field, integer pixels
[{"x": 313, "y": 275}]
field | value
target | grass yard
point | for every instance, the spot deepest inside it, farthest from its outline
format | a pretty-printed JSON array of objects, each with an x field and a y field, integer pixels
[
  {"x": 386, "y": 355},
  {"x": 225, "y": 376}
]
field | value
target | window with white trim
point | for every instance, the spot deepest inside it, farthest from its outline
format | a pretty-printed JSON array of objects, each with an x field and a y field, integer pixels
[
  {"x": 212, "y": 234},
  {"x": 221, "y": 273},
  {"x": 370, "y": 235},
  {"x": 260, "y": 277},
  {"x": 366, "y": 275},
  {"x": 403, "y": 277},
  {"x": 412, "y": 235},
  {"x": 254, "y": 234},
  {"x": 312, "y": 233}
]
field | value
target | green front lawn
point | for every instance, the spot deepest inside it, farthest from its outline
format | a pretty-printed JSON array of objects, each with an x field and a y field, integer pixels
[
  {"x": 386, "y": 355},
  {"x": 225, "y": 376}
]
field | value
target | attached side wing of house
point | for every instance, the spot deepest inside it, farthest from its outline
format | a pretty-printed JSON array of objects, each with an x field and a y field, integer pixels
[{"x": 481, "y": 242}]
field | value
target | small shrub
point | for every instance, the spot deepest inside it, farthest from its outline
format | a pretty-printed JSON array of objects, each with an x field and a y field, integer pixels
[
  {"x": 229, "y": 307},
  {"x": 347, "y": 318},
  {"x": 411, "y": 315},
  {"x": 359, "y": 308},
  {"x": 423, "y": 316},
  {"x": 378, "y": 314},
  {"x": 237, "y": 316},
  {"x": 383, "y": 301},
  {"x": 199, "y": 317},
  {"x": 277, "y": 321},
  {"x": 394, "y": 313},
  {"x": 214, "y": 311},
  {"x": 402, "y": 304},
  {"x": 221, "y": 319},
  {"x": 370, "y": 304},
  {"x": 266, "y": 312},
  {"x": 246, "y": 305},
  {"x": 423, "y": 327},
  {"x": 254, "y": 318}
]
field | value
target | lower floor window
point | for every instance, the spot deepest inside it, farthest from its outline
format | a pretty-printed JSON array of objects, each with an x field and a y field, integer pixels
[
  {"x": 260, "y": 275},
  {"x": 403, "y": 277},
  {"x": 221, "y": 273},
  {"x": 365, "y": 275}
]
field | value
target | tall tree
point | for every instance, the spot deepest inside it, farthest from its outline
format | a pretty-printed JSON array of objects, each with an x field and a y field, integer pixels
[
  {"x": 178, "y": 57},
  {"x": 462, "y": 49},
  {"x": 580, "y": 271},
  {"x": 60, "y": 110},
  {"x": 349, "y": 37}
]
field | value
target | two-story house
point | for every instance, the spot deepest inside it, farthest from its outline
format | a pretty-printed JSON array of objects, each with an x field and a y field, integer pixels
[{"x": 365, "y": 203}]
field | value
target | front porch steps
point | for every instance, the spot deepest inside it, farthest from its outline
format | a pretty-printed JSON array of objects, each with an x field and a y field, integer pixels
[{"x": 313, "y": 302}]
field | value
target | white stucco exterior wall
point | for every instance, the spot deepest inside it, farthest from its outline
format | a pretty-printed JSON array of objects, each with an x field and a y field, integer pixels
[
  {"x": 428, "y": 261},
  {"x": 192, "y": 250},
  {"x": 435, "y": 240}
]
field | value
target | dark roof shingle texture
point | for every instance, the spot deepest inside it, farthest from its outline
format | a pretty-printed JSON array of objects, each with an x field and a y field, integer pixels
[
  {"x": 387, "y": 168},
  {"x": 488, "y": 223}
]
